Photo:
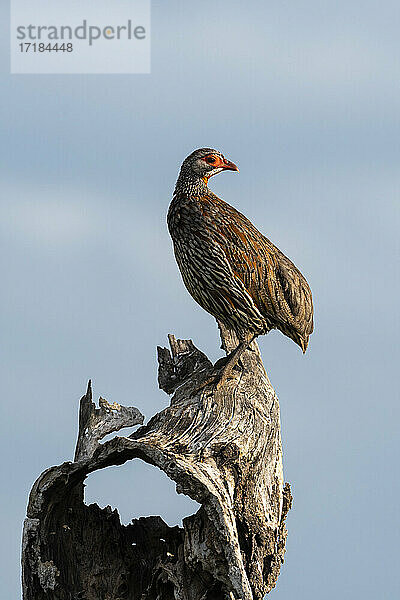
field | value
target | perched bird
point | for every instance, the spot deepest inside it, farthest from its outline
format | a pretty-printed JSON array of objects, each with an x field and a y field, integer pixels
[{"x": 231, "y": 269}]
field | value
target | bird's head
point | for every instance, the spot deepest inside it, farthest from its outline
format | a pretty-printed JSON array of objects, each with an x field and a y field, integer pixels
[{"x": 206, "y": 162}]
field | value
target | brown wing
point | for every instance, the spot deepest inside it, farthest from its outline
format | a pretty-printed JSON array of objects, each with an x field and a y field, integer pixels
[{"x": 277, "y": 287}]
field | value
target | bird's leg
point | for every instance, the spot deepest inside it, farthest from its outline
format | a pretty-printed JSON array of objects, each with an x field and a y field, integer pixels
[
  {"x": 224, "y": 366},
  {"x": 228, "y": 363}
]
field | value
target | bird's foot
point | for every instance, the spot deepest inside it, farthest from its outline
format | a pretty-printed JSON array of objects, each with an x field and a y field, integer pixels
[
  {"x": 222, "y": 376},
  {"x": 223, "y": 368},
  {"x": 221, "y": 372},
  {"x": 221, "y": 362}
]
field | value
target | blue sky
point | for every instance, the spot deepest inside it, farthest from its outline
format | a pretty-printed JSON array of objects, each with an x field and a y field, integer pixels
[{"x": 304, "y": 97}]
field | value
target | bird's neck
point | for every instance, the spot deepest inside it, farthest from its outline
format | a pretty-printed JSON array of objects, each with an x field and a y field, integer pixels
[{"x": 191, "y": 185}]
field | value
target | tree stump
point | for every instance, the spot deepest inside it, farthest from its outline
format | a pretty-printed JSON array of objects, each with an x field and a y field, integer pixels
[{"x": 222, "y": 447}]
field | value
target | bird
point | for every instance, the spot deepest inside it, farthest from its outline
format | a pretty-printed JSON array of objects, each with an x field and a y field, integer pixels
[{"x": 229, "y": 267}]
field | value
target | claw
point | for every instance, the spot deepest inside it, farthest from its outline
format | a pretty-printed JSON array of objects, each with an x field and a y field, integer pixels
[{"x": 223, "y": 368}]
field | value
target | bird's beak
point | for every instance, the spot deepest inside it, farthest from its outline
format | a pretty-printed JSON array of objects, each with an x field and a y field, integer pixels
[{"x": 229, "y": 166}]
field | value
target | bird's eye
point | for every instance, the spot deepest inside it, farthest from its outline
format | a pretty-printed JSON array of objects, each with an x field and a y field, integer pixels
[{"x": 210, "y": 159}]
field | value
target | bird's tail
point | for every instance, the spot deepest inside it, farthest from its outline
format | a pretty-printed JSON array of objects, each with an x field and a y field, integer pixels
[{"x": 303, "y": 342}]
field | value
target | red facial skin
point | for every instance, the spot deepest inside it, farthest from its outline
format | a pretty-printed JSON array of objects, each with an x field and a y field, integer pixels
[{"x": 219, "y": 162}]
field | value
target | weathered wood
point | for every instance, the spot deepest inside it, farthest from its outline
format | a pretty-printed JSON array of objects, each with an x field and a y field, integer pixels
[
  {"x": 222, "y": 447},
  {"x": 95, "y": 423}
]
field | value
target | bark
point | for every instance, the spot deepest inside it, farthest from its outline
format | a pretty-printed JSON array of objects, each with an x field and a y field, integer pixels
[{"x": 221, "y": 446}]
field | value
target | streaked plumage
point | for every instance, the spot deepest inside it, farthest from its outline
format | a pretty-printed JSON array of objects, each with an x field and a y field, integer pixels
[{"x": 231, "y": 269}]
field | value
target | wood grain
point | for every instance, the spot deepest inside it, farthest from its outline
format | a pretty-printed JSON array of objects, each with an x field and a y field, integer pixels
[{"x": 221, "y": 446}]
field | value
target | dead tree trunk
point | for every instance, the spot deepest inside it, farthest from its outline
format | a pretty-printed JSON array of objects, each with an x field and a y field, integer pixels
[{"x": 222, "y": 447}]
